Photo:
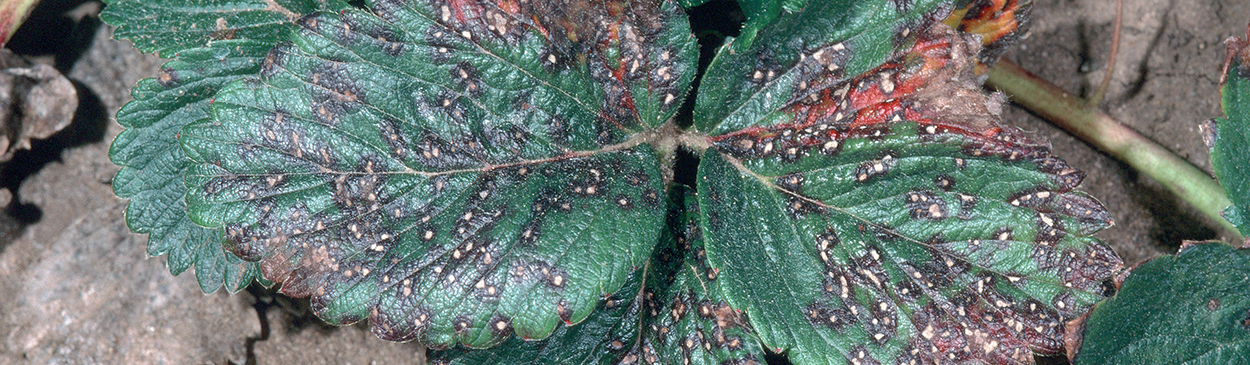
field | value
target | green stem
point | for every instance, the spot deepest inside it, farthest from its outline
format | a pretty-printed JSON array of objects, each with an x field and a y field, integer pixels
[{"x": 1089, "y": 124}]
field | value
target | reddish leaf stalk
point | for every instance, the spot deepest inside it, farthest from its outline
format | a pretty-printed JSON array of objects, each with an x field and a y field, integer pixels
[
  {"x": 1096, "y": 128},
  {"x": 1115, "y": 50}
]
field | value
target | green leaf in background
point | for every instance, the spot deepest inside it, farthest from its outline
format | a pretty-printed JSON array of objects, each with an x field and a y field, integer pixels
[
  {"x": 167, "y": 27},
  {"x": 455, "y": 174},
  {"x": 153, "y": 163},
  {"x": 890, "y": 217},
  {"x": 1191, "y": 308},
  {"x": 1229, "y": 137},
  {"x": 680, "y": 315}
]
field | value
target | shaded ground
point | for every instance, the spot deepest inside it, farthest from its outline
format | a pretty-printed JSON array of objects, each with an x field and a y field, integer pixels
[{"x": 78, "y": 288}]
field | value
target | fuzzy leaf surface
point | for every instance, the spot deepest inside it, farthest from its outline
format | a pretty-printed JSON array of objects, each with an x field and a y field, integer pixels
[
  {"x": 890, "y": 217},
  {"x": 454, "y": 172},
  {"x": 677, "y": 317},
  {"x": 167, "y": 27},
  {"x": 1191, "y": 308},
  {"x": 153, "y": 163},
  {"x": 1229, "y": 137}
]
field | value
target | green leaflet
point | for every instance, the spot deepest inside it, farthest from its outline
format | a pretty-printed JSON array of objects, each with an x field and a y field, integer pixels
[
  {"x": 152, "y": 163},
  {"x": 1229, "y": 137},
  {"x": 1190, "y": 308},
  {"x": 455, "y": 175},
  {"x": 681, "y": 314},
  {"x": 168, "y": 27},
  {"x": 865, "y": 220}
]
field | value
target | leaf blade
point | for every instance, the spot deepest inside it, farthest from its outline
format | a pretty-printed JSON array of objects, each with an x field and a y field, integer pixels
[
  {"x": 885, "y": 202},
  {"x": 390, "y": 166}
]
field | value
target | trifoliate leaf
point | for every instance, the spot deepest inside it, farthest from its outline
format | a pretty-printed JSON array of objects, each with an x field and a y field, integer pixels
[
  {"x": 454, "y": 172},
  {"x": 1192, "y": 308},
  {"x": 171, "y": 26},
  {"x": 678, "y": 317},
  {"x": 890, "y": 217},
  {"x": 152, "y": 162},
  {"x": 1229, "y": 137}
]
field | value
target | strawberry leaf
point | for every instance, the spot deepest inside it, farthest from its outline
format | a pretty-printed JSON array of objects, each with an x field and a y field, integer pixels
[
  {"x": 1229, "y": 137},
  {"x": 890, "y": 217},
  {"x": 454, "y": 172},
  {"x": 460, "y": 172},
  {"x": 1190, "y": 308},
  {"x": 153, "y": 164},
  {"x": 678, "y": 317}
]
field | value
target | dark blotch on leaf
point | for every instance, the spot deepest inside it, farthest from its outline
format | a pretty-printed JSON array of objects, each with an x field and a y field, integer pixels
[
  {"x": 441, "y": 48},
  {"x": 874, "y": 168},
  {"x": 836, "y": 318},
  {"x": 944, "y": 182},
  {"x": 334, "y": 93},
  {"x": 860, "y": 356},
  {"x": 500, "y": 326},
  {"x": 310, "y": 23},
  {"x": 275, "y": 60},
  {"x": 924, "y": 204},
  {"x": 168, "y": 78},
  {"x": 466, "y": 79},
  {"x": 558, "y": 130}
]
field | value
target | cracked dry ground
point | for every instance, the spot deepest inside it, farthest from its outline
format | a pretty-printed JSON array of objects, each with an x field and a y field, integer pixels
[{"x": 78, "y": 287}]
